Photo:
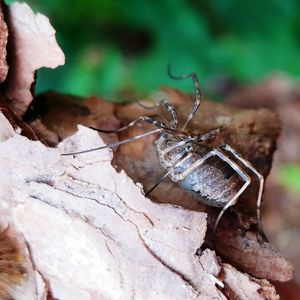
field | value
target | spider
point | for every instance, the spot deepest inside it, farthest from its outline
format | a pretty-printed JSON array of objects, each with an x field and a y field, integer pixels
[{"x": 214, "y": 176}]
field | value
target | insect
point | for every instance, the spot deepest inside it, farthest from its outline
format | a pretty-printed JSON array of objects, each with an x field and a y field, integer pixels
[{"x": 214, "y": 176}]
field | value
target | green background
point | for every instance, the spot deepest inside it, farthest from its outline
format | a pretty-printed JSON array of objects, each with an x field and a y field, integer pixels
[{"x": 120, "y": 49}]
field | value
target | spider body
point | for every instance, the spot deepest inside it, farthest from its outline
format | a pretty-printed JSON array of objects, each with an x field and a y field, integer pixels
[{"x": 213, "y": 183}]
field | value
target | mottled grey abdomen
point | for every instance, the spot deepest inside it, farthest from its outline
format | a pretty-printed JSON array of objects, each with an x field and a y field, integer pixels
[{"x": 214, "y": 183}]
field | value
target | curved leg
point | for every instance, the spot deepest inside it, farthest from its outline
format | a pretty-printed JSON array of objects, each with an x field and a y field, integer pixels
[
  {"x": 182, "y": 143},
  {"x": 233, "y": 165},
  {"x": 176, "y": 162},
  {"x": 194, "y": 166},
  {"x": 180, "y": 158},
  {"x": 168, "y": 107},
  {"x": 214, "y": 152},
  {"x": 261, "y": 184},
  {"x": 230, "y": 203},
  {"x": 145, "y": 119},
  {"x": 118, "y": 143},
  {"x": 198, "y": 94}
]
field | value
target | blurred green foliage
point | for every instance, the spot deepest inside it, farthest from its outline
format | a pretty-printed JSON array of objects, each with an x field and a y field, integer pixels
[
  {"x": 119, "y": 47},
  {"x": 290, "y": 178}
]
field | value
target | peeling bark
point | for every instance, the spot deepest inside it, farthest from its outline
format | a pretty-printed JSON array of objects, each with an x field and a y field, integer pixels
[
  {"x": 252, "y": 132},
  {"x": 244, "y": 287},
  {"x": 6, "y": 130},
  {"x": 90, "y": 232},
  {"x": 16, "y": 122},
  {"x": 3, "y": 43},
  {"x": 60, "y": 114},
  {"x": 32, "y": 46}
]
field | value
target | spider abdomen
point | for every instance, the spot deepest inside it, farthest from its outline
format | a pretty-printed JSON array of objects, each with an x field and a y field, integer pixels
[
  {"x": 213, "y": 183},
  {"x": 210, "y": 183}
]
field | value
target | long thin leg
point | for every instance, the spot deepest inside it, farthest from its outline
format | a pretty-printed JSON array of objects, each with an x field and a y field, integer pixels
[
  {"x": 118, "y": 143},
  {"x": 232, "y": 164},
  {"x": 198, "y": 94},
  {"x": 193, "y": 167},
  {"x": 189, "y": 139},
  {"x": 145, "y": 119},
  {"x": 234, "y": 199},
  {"x": 168, "y": 107},
  {"x": 211, "y": 134},
  {"x": 176, "y": 159},
  {"x": 261, "y": 184},
  {"x": 200, "y": 161},
  {"x": 179, "y": 144},
  {"x": 176, "y": 162},
  {"x": 230, "y": 203}
]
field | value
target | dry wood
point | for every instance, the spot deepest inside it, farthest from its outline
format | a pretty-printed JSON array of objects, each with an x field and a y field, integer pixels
[
  {"x": 3, "y": 44},
  {"x": 252, "y": 132},
  {"x": 91, "y": 234},
  {"x": 32, "y": 45}
]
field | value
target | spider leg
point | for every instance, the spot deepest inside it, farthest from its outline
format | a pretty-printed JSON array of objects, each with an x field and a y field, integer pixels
[
  {"x": 200, "y": 161},
  {"x": 117, "y": 143},
  {"x": 198, "y": 94},
  {"x": 232, "y": 164},
  {"x": 211, "y": 134},
  {"x": 145, "y": 119},
  {"x": 261, "y": 184},
  {"x": 176, "y": 162},
  {"x": 168, "y": 107},
  {"x": 192, "y": 139},
  {"x": 234, "y": 199},
  {"x": 179, "y": 144}
]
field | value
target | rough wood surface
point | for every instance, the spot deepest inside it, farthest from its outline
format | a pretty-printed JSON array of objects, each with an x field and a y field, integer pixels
[
  {"x": 252, "y": 132},
  {"x": 60, "y": 114},
  {"x": 32, "y": 45},
  {"x": 3, "y": 44},
  {"x": 16, "y": 122},
  {"x": 91, "y": 234}
]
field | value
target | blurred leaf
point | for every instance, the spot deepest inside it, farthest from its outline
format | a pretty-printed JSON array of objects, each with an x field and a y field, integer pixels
[
  {"x": 290, "y": 178},
  {"x": 244, "y": 40}
]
